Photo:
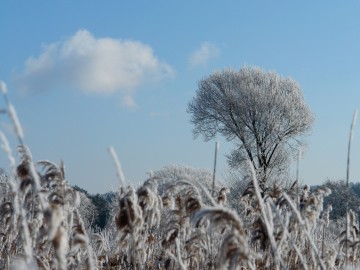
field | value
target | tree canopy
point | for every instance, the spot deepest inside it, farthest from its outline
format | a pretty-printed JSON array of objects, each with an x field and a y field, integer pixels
[{"x": 263, "y": 113}]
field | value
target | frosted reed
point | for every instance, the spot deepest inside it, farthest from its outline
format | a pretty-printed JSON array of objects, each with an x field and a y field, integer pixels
[
  {"x": 3, "y": 88},
  {"x": 351, "y": 135},
  {"x": 15, "y": 120},
  {"x": 119, "y": 170},
  {"x": 269, "y": 228},
  {"x": 6, "y": 147}
]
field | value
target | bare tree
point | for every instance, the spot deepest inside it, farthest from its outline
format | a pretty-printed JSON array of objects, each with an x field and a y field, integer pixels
[{"x": 263, "y": 113}]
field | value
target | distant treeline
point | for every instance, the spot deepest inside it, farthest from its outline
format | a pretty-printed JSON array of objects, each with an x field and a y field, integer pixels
[{"x": 103, "y": 202}]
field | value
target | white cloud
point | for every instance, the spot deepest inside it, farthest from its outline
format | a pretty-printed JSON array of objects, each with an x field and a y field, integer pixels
[
  {"x": 204, "y": 54},
  {"x": 100, "y": 65}
]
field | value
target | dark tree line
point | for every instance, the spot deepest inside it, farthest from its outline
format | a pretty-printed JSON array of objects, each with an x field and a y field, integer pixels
[
  {"x": 102, "y": 203},
  {"x": 337, "y": 198}
]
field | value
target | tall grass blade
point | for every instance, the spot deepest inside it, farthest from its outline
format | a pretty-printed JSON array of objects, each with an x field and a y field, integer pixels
[
  {"x": 351, "y": 135},
  {"x": 119, "y": 170}
]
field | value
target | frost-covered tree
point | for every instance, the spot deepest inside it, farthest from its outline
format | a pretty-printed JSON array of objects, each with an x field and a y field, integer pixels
[
  {"x": 87, "y": 210},
  {"x": 263, "y": 113},
  {"x": 175, "y": 173}
]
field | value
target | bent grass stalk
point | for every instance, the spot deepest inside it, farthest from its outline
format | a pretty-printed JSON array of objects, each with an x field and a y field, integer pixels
[
  {"x": 119, "y": 170},
  {"x": 12, "y": 114},
  {"x": 16, "y": 122}
]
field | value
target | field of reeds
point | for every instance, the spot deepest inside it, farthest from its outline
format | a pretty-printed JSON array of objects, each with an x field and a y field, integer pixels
[{"x": 171, "y": 221}]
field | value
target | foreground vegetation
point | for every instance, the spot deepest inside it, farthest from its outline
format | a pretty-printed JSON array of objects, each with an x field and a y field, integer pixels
[{"x": 169, "y": 222}]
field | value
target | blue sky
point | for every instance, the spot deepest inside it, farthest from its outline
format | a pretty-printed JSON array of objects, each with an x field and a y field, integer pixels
[{"x": 86, "y": 75}]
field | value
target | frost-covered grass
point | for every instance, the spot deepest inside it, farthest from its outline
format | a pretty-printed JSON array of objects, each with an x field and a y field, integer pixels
[
  {"x": 171, "y": 221},
  {"x": 168, "y": 223}
]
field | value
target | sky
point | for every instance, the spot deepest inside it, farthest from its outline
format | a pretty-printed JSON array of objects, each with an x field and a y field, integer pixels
[{"x": 86, "y": 75}]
